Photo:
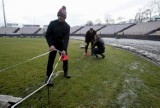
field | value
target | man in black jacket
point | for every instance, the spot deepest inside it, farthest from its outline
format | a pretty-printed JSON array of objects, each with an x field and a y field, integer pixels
[
  {"x": 57, "y": 36},
  {"x": 100, "y": 47},
  {"x": 89, "y": 38}
]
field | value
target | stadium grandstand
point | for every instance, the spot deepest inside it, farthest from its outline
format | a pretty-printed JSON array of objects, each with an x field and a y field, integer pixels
[
  {"x": 8, "y": 30},
  {"x": 86, "y": 28},
  {"x": 145, "y": 30},
  {"x": 75, "y": 29},
  {"x": 113, "y": 29},
  {"x": 28, "y": 30},
  {"x": 42, "y": 30},
  {"x": 142, "y": 28},
  {"x": 156, "y": 33}
]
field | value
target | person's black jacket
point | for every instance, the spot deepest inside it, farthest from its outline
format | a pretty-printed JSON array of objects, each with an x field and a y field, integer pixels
[
  {"x": 57, "y": 34},
  {"x": 90, "y": 36},
  {"x": 100, "y": 44}
]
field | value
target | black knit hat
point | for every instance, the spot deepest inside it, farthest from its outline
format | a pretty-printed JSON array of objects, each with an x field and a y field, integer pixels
[{"x": 62, "y": 12}]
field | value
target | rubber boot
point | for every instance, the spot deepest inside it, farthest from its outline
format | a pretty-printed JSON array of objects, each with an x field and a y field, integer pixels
[
  {"x": 96, "y": 56},
  {"x": 87, "y": 54},
  {"x": 50, "y": 81},
  {"x": 66, "y": 75},
  {"x": 103, "y": 56}
]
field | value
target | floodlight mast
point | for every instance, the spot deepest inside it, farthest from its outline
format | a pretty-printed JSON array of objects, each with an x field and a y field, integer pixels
[{"x": 4, "y": 13}]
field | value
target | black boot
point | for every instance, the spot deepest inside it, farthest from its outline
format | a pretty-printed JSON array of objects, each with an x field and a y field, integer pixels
[
  {"x": 66, "y": 75},
  {"x": 50, "y": 81},
  {"x": 103, "y": 56},
  {"x": 96, "y": 56}
]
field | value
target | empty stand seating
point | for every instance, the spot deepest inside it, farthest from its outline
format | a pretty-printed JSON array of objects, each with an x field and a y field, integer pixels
[
  {"x": 75, "y": 28},
  {"x": 113, "y": 29},
  {"x": 147, "y": 29},
  {"x": 28, "y": 30},
  {"x": 86, "y": 28},
  {"x": 142, "y": 28},
  {"x": 8, "y": 30}
]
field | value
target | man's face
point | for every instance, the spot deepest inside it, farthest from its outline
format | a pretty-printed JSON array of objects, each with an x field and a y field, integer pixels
[{"x": 61, "y": 19}]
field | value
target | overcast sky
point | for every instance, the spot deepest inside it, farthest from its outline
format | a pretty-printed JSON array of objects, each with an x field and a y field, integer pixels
[{"x": 41, "y": 12}]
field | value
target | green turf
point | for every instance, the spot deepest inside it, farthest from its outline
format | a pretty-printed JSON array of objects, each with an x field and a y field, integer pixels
[{"x": 122, "y": 79}]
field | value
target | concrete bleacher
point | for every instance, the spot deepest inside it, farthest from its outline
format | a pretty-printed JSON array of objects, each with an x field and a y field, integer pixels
[
  {"x": 75, "y": 29},
  {"x": 156, "y": 33},
  {"x": 28, "y": 30},
  {"x": 42, "y": 31},
  {"x": 86, "y": 28},
  {"x": 113, "y": 29},
  {"x": 142, "y": 28},
  {"x": 8, "y": 30},
  {"x": 147, "y": 30}
]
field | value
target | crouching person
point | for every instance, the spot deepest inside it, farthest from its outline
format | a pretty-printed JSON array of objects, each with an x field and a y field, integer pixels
[{"x": 98, "y": 47}]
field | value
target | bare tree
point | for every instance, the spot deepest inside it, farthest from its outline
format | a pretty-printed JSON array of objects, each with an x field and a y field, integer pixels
[
  {"x": 112, "y": 21},
  {"x": 148, "y": 14},
  {"x": 154, "y": 8},
  {"x": 109, "y": 19},
  {"x": 98, "y": 22},
  {"x": 89, "y": 23},
  {"x": 120, "y": 19},
  {"x": 157, "y": 4},
  {"x": 138, "y": 17},
  {"x": 144, "y": 15},
  {"x": 131, "y": 20}
]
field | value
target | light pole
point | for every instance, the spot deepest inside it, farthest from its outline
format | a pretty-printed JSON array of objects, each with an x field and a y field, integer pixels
[{"x": 4, "y": 14}]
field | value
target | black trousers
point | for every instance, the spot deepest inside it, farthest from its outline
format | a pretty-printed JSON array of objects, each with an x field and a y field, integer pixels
[
  {"x": 87, "y": 44},
  {"x": 51, "y": 59},
  {"x": 97, "y": 51}
]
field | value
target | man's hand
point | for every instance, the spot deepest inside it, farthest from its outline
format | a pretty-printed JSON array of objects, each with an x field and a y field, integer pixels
[
  {"x": 63, "y": 52},
  {"x": 52, "y": 48}
]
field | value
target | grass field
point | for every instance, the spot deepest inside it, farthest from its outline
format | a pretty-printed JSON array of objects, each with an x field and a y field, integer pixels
[{"x": 122, "y": 79}]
